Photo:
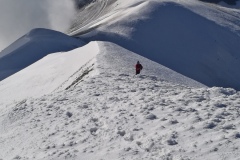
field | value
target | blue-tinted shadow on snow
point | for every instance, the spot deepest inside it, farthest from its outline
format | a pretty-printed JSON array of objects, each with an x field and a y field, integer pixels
[
  {"x": 32, "y": 47},
  {"x": 184, "y": 42}
]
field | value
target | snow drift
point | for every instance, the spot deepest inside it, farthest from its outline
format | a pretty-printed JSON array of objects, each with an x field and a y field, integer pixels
[{"x": 32, "y": 47}]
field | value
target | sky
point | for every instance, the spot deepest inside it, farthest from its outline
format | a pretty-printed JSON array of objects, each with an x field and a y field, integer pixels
[{"x": 17, "y": 17}]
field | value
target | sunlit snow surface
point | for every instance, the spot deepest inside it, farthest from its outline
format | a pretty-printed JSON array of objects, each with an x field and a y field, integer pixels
[
  {"x": 33, "y": 46},
  {"x": 198, "y": 40},
  {"x": 111, "y": 114},
  {"x": 88, "y": 104}
]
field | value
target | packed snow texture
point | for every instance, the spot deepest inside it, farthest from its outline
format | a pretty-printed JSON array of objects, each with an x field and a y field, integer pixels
[
  {"x": 88, "y": 103},
  {"x": 32, "y": 47},
  {"x": 107, "y": 113}
]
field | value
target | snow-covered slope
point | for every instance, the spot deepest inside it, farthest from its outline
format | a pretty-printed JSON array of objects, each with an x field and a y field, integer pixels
[
  {"x": 107, "y": 113},
  {"x": 89, "y": 104},
  {"x": 179, "y": 36},
  {"x": 33, "y": 46},
  {"x": 58, "y": 71},
  {"x": 47, "y": 75},
  {"x": 236, "y": 6}
]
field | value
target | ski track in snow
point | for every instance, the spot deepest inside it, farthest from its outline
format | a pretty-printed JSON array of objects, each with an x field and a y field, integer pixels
[{"x": 115, "y": 115}]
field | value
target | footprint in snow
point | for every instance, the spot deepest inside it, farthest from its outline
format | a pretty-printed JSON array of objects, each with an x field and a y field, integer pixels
[
  {"x": 172, "y": 142},
  {"x": 229, "y": 127},
  {"x": 69, "y": 114},
  {"x": 210, "y": 125},
  {"x": 237, "y": 135},
  {"x": 151, "y": 116},
  {"x": 121, "y": 132},
  {"x": 93, "y": 130},
  {"x": 124, "y": 75}
]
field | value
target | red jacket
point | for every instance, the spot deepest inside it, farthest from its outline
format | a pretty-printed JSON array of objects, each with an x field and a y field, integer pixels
[{"x": 139, "y": 67}]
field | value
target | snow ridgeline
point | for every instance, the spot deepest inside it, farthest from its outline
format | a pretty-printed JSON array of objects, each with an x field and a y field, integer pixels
[
  {"x": 110, "y": 114},
  {"x": 59, "y": 71},
  {"x": 195, "y": 39},
  {"x": 48, "y": 74},
  {"x": 32, "y": 47}
]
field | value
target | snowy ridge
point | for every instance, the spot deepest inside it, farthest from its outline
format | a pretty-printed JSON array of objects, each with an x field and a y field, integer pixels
[
  {"x": 60, "y": 71},
  {"x": 113, "y": 115},
  {"x": 188, "y": 37},
  {"x": 46, "y": 75},
  {"x": 33, "y": 46},
  {"x": 121, "y": 60},
  {"x": 88, "y": 104}
]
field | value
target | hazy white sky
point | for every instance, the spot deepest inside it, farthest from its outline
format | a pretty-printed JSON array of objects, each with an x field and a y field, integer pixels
[{"x": 18, "y": 17}]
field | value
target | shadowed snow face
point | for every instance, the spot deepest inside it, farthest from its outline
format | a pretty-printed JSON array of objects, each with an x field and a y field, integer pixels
[
  {"x": 230, "y": 2},
  {"x": 18, "y": 17}
]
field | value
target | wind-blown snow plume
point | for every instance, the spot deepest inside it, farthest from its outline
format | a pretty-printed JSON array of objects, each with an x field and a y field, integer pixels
[{"x": 18, "y": 17}]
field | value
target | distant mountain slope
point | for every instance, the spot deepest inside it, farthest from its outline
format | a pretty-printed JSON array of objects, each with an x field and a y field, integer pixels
[
  {"x": 230, "y": 2},
  {"x": 32, "y": 47},
  {"x": 173, "y": 35}
]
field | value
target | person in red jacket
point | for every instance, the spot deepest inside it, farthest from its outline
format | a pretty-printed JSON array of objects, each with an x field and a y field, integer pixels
[{"x": 138, "y": 67}]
